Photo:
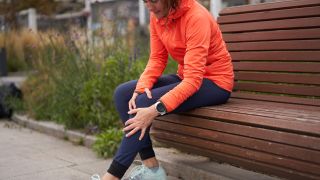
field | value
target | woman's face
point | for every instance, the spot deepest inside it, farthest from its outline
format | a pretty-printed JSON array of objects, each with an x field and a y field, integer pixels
[{"x": 157, "y": 7}]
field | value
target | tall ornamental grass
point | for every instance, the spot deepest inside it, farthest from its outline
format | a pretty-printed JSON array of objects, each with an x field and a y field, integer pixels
[
  {"x": 74, "y": 79},
  {"x": 19, "y": 46}
]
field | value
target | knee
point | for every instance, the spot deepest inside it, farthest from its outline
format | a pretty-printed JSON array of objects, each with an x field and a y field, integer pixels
[
  {"x": 124, "y": 90},
  {"x": 118, "y": 91}
]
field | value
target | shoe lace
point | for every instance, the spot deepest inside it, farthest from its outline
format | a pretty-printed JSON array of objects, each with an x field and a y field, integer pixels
[{"x": 137, "y": 172}]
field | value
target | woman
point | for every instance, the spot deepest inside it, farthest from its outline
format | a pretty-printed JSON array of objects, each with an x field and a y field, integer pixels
[{"x": 187, "y": 31}]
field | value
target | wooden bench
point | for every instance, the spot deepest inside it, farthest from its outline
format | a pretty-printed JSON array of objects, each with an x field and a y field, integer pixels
[{"x": 271, "y": 124}]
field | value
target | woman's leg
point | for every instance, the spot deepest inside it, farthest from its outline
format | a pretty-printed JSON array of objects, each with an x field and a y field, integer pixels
[
  {"x": 208, "y": 94},
  {"x": 130, "y": 146}
]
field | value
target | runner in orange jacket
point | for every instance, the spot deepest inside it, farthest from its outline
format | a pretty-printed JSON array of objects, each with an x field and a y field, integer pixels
[{"x": 192, "y": 37}]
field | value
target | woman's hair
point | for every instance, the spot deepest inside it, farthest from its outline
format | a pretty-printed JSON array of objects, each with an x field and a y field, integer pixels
[{"x": 172, "y": 4}]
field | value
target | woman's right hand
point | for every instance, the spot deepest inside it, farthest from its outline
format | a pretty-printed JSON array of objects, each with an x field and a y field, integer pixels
[{"x": 132, "y": 102}]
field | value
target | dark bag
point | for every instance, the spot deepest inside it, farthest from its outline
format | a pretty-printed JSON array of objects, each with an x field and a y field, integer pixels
[{"x": 7, "y": 91}]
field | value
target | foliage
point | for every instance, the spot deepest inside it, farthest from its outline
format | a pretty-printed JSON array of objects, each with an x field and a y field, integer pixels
[
  {"x": 14, "y": 103},
  {"x": 171, "y": 67},
  {"x": 25, "y": 48},
  {"x": 74, "y": 80},
  {"x": 108, "y": 142},
  {"x": 96, "y": 98},
  {"x": 20, "y": 47},
  {"x": 52, "y": 92}
]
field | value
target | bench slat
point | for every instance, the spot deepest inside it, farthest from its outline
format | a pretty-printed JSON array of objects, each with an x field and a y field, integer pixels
[
  {"x": 272, "y": 98},
  {"x": 271, "y": 15},
  {"x": 262, "y": 110},
  {"x": 253, "y": 165},
  {"x": 250, "y": 143},
  {"x": 308, "y": 142},
  {"x": 271, "y": 159},
  {"x": 296, "y": 126},
  {"x": 296, "y": 45},
  {"x": 277, "y": 56},
  {"x": 313, "y": 22},
  {"x": 278, "y": 77},
  {"x": 292, "y": 34},
  {"x": 277, "y": 67},
  {"x": 278, "y": 88},
  {"x": 269, "y": 6},
  {"x": 269, "y": 108}
]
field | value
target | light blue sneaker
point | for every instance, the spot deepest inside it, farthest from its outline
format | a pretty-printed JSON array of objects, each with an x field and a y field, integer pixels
[
  {"x": 142, "y": 172},
  {"x": 95, "y": 177}
]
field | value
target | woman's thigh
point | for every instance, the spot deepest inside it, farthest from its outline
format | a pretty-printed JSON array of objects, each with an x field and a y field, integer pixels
[
  {"x": 208, "y": 94},
  {"x": 124, "y": 91}
]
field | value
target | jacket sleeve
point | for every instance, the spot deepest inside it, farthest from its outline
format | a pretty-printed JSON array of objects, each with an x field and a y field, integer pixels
[
  {"x": 157, "y": 61},
  {"x": 197, "y": 45}
]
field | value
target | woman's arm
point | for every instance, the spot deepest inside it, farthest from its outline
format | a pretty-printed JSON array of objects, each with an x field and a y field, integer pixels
[
  {"x": 198, "y": 32},
  {"x": 157, "y": 61},
  {"x": 198, "y": 40}
]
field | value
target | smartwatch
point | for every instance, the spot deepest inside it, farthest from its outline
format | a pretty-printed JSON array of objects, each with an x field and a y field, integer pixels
[{"x": 161, "y": 109}]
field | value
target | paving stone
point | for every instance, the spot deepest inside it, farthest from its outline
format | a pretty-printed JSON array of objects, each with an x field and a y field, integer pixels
[
  {"x": 29, "y": 155},
  {"x": 54, "y": 174}
]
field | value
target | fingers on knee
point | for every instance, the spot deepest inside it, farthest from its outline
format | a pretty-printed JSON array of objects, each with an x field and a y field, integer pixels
[{"x": 142, "y": 100}]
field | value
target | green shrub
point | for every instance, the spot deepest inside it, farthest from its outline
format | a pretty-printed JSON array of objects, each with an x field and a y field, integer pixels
[
  {"x": 96, "y": 99},
  {"x": 16, "y": 104},
  {"x": 108, "y": 142},
  {"x": 52, "y": 92},
  {"x": 74, "y": 87}
]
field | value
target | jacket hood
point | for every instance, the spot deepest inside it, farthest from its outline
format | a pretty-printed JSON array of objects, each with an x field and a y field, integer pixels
[{"x": 183, "y": 7}]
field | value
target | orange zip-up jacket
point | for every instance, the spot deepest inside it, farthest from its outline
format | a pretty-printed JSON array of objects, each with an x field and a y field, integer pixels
[{"x": 192, "y": 37}]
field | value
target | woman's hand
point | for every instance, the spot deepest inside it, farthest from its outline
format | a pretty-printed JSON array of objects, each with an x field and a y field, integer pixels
[
  {"x": 132, "y": 102},
  {"x": 141, "y": 121}
]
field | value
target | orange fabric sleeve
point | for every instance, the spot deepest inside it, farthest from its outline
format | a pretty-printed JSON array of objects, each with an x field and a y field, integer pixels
[
  {"x": 198, "y": 32},
  {"x": 157, "y": 61}
]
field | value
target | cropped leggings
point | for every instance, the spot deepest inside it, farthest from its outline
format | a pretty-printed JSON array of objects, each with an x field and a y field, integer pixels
[{"x": 208, "y": 94}]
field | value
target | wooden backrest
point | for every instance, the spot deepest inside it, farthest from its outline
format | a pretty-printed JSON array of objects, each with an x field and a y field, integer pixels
[{"x": 275, "y": 49}]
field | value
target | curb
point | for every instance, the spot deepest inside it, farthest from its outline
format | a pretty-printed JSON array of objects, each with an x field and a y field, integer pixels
[{"x": 55, "y": 130}]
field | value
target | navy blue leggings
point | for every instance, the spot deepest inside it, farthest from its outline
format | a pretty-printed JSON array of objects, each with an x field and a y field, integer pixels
[{"x": 208, "y": 94}]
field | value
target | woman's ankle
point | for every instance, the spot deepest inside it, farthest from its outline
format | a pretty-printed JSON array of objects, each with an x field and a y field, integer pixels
[
  {"x": 151, "y": 162},
  {"x": 109, "y": 176}
]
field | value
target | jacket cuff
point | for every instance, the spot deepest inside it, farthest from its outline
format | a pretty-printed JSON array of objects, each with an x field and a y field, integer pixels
[
  {"x": 167, "y": 105},
  {"x": 136, "y": 91}
]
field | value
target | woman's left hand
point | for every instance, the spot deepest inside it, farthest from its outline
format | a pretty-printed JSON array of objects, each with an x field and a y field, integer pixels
[{"x": 141, "y": 121}]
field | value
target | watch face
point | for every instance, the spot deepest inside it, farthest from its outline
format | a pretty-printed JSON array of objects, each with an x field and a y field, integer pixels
[{"x": 161, "y": 108}]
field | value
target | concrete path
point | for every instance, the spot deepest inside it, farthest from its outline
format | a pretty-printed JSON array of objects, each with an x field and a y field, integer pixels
[{"x": 29, "y": 155}]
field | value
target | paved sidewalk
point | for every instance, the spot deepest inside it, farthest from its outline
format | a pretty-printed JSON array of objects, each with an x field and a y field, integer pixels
[{"x": 28, "y": 155}]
